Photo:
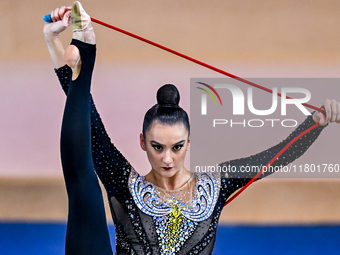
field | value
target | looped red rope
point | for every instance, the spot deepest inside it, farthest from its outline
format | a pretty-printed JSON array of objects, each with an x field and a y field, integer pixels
[{"x": 231, "y": 76}]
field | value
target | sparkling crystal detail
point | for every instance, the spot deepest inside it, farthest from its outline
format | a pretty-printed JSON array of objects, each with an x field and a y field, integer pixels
[{"x": 176, "y": 214}]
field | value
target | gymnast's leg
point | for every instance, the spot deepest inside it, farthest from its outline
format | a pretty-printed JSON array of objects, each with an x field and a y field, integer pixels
[{"x": 87, "y": 231}]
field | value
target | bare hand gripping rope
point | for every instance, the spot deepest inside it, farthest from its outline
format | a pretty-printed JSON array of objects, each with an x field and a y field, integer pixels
[{"x": 48, "y": 19}]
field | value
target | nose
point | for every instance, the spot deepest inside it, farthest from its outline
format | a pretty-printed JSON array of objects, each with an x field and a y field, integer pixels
[{"x": 167, "y": 157}]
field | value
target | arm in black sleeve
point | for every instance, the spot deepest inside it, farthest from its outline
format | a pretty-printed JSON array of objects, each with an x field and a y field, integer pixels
[
  {"x": 107, "y": 159},
  {"x": 233, "y": 180}
]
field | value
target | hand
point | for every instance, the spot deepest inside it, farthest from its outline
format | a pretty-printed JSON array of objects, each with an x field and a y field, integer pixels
[
  {"x": 332, "y": 109},
  {"x": 61, "y": 18}
]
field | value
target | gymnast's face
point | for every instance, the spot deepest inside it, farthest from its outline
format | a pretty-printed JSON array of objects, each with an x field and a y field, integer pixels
[{"x": 166, "y": 147}]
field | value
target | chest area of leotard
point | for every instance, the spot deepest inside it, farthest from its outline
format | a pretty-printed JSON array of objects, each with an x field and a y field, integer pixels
[{"x": 176, "y": 214}]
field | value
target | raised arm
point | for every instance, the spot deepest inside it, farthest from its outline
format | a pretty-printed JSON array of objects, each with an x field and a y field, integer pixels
[
  {"x": 61, "y": 21},
  {"x": 259, "y": 160},
  {"x": 233, "y": 180},
  {"x": 108, "y": 161}
]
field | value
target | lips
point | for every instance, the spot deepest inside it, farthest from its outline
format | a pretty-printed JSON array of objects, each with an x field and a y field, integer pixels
[{"x": 167, "y": 168}]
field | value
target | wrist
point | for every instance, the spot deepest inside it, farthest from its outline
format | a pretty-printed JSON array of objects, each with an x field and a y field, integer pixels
[{"x": 51, "y": 36}]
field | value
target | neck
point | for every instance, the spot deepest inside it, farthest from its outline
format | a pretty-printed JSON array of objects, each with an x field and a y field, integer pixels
[{"x": 169, "y": 183}]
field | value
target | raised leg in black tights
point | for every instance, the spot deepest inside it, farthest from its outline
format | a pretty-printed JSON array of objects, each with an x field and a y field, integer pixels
[{"x": 87, "y": 231}]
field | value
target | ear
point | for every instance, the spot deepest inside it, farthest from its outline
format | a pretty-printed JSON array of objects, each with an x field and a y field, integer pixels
[
  {"x": 142, "y": 142},
  {"x": 188, "y": 144}
]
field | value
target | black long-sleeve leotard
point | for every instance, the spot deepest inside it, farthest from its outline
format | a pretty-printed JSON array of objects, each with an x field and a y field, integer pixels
[{"x": 145, "y": 222}]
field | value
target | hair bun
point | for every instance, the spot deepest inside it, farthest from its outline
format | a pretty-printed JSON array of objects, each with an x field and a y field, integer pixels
[{"x": 168, "y": 95}]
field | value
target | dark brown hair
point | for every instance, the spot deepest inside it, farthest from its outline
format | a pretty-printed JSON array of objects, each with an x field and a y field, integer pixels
[{"x": 166, "y": 111}]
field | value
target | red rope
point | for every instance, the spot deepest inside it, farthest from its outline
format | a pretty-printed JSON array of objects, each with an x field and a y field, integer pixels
[
  {"x": 231, "y": 76},
  {"x": 197, "y": 61}
]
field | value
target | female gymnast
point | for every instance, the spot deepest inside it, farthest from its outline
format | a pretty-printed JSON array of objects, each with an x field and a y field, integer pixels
[{"x": 170, "y": 210}]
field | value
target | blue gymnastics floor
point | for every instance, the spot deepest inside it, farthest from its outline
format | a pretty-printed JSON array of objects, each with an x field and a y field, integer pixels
[{"x": 48, "y": 239}]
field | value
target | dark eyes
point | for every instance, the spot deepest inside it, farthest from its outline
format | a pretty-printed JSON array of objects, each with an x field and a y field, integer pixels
[
  {"x": 178, "y": 147},
  {"x": 159, "y": 147}
]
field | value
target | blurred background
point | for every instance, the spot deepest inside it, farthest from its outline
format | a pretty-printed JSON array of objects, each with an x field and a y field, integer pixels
[{"x": 247, "y": 38}]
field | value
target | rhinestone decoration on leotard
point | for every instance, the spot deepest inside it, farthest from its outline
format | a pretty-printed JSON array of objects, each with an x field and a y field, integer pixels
[
  {"x": 176, "y": 215},
  {"x": 173, "y": 230}
]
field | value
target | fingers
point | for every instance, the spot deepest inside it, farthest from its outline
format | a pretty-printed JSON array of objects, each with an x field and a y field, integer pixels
[
  {"x": 321, "y": 119},
  {"x": 67, "y": 15},
  {"x": 67, "y": 18},
  {"x": 53, "y": 16},
  {"x": 58, "y": 13},
  {"x": 62, "y": 12},
  {"x": 328, "y": 110},
  {"x": 322, "y": 116},
  {"x": 332, "y": 110}
]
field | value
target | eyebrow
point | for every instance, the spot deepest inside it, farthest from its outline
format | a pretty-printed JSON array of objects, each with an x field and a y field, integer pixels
[{"x": 178, "y": 143}]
